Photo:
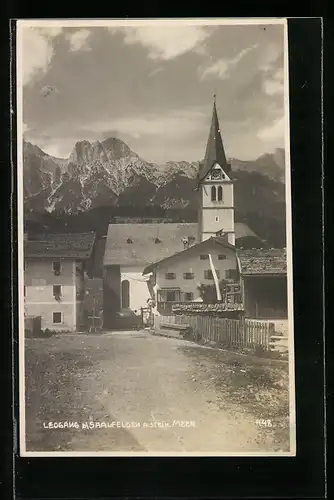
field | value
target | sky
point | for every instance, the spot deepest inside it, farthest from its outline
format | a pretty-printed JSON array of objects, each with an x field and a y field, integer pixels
[{"x": 152, "y": 86}]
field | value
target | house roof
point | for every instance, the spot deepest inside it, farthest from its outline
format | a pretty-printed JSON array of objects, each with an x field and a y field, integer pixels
[
  {"x": 144, "y": 250},
  {"x": 70, "y": 245},
  {"x": 259, "y": 262},
  {"x": 214, "y": 150},
  {"x": 213, "y": 240}
]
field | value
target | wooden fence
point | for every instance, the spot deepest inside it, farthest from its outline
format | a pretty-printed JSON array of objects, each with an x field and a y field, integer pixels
[{"x": 237, "y": 333}]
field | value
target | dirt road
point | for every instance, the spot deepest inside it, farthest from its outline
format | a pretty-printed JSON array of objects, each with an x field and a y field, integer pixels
[{"x": 133, "y": 391}]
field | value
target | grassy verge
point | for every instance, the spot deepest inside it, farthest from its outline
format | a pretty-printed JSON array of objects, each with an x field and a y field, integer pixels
[{"x": 259, "y": 386}]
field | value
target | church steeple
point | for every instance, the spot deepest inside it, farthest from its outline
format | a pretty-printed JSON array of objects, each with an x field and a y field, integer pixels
[
  {"x": 215, "y": 188},
  {"x": 215, "y": 149}
]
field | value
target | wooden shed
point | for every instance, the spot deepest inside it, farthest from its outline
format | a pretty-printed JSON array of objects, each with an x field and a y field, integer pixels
[{"x": 263, "y": 276}]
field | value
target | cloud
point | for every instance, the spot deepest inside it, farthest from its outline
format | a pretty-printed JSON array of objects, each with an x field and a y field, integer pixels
[
  {"x": 79, "y": 40},
  {"x": 156, "y": 71},
  {"x": 270, "y": 56},
  {"x": 223, "y": 67},
  {"x": 37, "y": 46},
  {"x": 274, "y": 84},
  {"x": 274, "y": 132},
  {"x": 171, "y": 125},
  {"x": 165, "y": 42}
]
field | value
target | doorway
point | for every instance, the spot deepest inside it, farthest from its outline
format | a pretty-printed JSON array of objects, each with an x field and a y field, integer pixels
[{"x": 125, "y": 294}]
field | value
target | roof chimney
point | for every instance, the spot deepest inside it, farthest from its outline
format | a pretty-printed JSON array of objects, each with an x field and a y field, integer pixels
[{"x": 185, "y": 242}]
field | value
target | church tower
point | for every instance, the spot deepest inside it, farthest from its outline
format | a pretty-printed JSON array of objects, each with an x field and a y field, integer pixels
[{"x": 215, "y": 187}]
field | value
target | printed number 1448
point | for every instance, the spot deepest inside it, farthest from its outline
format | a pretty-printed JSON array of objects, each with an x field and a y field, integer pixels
[{"x": 264, "y": 423}]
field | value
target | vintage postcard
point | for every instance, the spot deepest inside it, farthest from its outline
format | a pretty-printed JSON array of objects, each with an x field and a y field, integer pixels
[{"x": 155, "y": 248}]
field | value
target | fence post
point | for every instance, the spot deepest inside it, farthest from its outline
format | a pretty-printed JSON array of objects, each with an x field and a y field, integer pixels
[{"x": 271, "y": 331}]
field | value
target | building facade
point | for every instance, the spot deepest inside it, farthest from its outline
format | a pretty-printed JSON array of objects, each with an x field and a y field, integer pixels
[
  {"x": 179, "y": 278},
  {"x": 54, "y": 279}
]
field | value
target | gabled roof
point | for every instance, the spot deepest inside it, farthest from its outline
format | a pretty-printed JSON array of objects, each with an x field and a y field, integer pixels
[
  {"x": 147, "y": 242},
  {"x": 213, "y": 241},
  {"x": 214, "y": 150},
  {"x": 260, "y": 262},
  {"x": 70, "y": 245}
]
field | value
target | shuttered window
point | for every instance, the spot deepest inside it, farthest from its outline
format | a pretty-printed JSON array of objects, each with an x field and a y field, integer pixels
[
  {"x": 56, "y": 317},
  {"x": 208, "y": 274},
  {"x": 170, "y": 276}
]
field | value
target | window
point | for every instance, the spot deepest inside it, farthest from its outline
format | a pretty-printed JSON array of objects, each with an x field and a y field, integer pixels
[
  {"x": 188, "y": 296},
  {"x": 188, "y": 276},
  {"x": 231, "y": 274},
  {"x": 208, "y": 274},
  {"x": 57, "y": 291},
  {"x": 125, "y": 294},
  {"x": 221, "y": 256},
  {"x": 57, "y": 317},
  {"x": 56, "y": 267},
  {"x": 220, "y": 193},
  {"x": 204, "y": 257},
  {"x": 217, "y": 218},
  {"x": 213, "y": 193},
  {"x": 24, "y": 291},
  {"x": 170, "y": 276},
  {"x": 170, "y": 296}
]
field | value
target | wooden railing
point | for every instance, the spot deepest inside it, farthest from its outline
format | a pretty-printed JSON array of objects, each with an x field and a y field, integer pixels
[{"x": 229, "y": 333}]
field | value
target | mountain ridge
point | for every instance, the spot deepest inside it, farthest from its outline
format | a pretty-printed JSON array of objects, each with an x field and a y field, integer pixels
[{"x": 108, "y": 173}]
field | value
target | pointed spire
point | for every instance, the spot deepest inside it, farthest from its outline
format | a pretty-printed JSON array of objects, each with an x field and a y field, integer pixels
[{"x": 214, "y": 150}]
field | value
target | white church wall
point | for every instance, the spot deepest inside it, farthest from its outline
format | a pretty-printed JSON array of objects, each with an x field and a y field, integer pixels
[
  {"x": 215, "y": 219},
  {"x": 138, "y": 289}
]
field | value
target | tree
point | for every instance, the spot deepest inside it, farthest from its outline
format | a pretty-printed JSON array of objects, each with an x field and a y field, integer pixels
[{"x": 208, "y": 292}]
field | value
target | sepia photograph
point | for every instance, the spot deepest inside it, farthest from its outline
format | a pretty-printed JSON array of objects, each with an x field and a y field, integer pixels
[{"x": 154, "y": 238}]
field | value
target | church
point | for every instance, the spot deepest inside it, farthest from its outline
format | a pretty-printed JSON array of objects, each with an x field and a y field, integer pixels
[{"x": 170, "y": 261}]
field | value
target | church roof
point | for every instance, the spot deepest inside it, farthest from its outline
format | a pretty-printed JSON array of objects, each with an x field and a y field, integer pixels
[
  {"x": 242, "y": 230},
  {"x": 144, "y": 250},
  {"x": 214, "y": 150},
  {"x": 142, "y": 244}
]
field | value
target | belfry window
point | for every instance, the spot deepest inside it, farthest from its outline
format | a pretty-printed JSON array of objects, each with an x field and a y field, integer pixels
[
  {"x": 213, "y": 193},
  {"x": 220, "y": 193}
]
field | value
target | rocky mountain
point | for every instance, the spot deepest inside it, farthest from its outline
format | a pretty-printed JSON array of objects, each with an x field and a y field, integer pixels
[
  {"x": 109, "y": 173},
  {"x": 102, "y": 180},
  {"x": 271, "y": 165}
]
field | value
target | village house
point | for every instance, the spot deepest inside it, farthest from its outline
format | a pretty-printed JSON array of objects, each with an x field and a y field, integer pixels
[
  {"x": 54, "y": 277},
  {"x": 178, "y": 278},
  {"x": 263, "y": 275}
]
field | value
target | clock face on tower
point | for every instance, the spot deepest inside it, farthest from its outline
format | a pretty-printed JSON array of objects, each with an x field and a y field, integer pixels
[{"x": 216, "y": 174}]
